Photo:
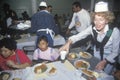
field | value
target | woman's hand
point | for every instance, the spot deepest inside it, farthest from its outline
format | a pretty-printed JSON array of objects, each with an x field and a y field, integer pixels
[
  {"x": 66, "y": 47},
  {"x": 100, "y": 66},
  {"x": 68, "y": 32}
]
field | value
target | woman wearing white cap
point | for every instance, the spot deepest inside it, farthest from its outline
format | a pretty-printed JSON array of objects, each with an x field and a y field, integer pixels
[{"x": 106, "y": 37}]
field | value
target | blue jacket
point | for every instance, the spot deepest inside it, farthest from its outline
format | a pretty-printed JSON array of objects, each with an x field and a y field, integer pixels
[{"x": 42, "y": 20}]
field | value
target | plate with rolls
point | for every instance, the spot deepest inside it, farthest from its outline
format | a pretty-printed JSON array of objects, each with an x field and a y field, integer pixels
[
  {"x": 52, "y": 71},
  {"x": 40, "y": 68}
]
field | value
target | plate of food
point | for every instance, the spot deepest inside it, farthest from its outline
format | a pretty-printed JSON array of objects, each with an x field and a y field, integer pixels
[
  {"x": 72, "y": 56},
  {"x": 88, "y": 72},
  {"x": 85, "y": 55},
  {"x": 4, "y": 76},
  {"x": 81, "y": 64},
  {"x": 17, "y": 79},
  {"x": 52, "y": 71},
  {"x": 40, "y": 68}
]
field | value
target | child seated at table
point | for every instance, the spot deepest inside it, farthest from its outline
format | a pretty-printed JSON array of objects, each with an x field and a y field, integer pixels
[
  {"x": 10, "y": 57},
  {"x": 44, "y": 52}
]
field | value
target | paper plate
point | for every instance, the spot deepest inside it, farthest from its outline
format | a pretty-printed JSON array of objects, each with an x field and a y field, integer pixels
[
  {"x": 90, "y": 73},
  {"x": 39, "y": 68},
  {"x": 85, "y": 55},
  {"x": 87, "y": 72},
  {"x": 81, "y": 64},
  {"x": 52, "y": 71},
  {"x": 72, "y": 56}
]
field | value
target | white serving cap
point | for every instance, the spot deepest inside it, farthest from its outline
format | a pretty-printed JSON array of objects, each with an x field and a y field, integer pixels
[
  {"x": 43, "y": 3},
  {"x": 101, "y": 6}
]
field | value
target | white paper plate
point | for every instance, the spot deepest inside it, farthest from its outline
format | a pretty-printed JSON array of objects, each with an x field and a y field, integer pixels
[
  {"x": 85, "y": 55},
  {"x": 33, "y": 68},
  {"x": 81, "y": 64}
]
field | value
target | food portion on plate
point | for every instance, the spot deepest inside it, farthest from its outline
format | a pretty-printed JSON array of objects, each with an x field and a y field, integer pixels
[
  {"x": 81, "y": 64},
  {"x": 85, "y": 55},
  {"x": 87, "y": 72},
  {"x": 40, "y": 68},
  {"x": 16, "y": 79},
  {"x": 90, "y": 73},
  {"x": 72, "y": 56},
  {"x": 4, "y": 76},
  {"x": 52, "y": 71}
]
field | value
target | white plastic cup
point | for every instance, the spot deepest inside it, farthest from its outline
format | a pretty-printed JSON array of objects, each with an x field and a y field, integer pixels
[{"x": 63, "y": 55}]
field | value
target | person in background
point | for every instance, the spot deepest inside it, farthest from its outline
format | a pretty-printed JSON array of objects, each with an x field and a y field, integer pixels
[
  {"x": 10, "y": 57},
  {"x": 44, "y": 52},
  {"x": 105, "y": 35},
  {"x": 81, "y": 18},
  {"x": 12, "y": 18},
  {"x": 49, "y": 8},
  {"x": 43, "y": 23},
  {"x": 25, "y": 16}
]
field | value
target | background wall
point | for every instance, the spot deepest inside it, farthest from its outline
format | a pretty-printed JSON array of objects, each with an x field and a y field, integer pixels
[{"x": 59, "y": 6}]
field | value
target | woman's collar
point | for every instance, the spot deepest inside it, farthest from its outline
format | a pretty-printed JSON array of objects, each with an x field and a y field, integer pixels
[{"x": 106, "y": 28}]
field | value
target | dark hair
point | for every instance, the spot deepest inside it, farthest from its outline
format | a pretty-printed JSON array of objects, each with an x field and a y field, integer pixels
[
  {"x": 77, "y": 4},
  {"x": 43, "y": 38},
  {"x": 49, "y": 6},
  {"x": 42, "y": 7},
  {"x": 8, "y": 43}
]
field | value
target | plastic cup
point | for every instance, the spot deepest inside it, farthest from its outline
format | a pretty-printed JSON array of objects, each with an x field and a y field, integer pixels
[{"x": 63, "y": 55}]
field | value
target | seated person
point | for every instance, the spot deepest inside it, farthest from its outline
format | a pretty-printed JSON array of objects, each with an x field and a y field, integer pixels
[
  {"x": 44, "y": 52},
  {"x": 10, "y": 57}
]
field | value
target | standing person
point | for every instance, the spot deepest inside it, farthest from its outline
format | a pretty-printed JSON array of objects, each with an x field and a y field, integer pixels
[
  {"x": 49, "y": 8},
  {"x": 44, "y": 52},
  {"x": 81, "y": 18},
  {"x": 106, "y": 37},
  {"x": 10, "y": 57},
  {"x": 25, "y": 16},
  {"x": 43, "y": 23}
]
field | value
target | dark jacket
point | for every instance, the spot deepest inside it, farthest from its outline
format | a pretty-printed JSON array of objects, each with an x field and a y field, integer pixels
[{"x": 43, "y": 20}]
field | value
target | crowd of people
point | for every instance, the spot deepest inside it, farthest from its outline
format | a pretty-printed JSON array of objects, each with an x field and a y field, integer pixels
[{"x": 105, "y": 37}]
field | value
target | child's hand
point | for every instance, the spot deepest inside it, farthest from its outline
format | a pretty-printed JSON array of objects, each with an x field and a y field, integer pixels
[{"x": 10, "y": 63}]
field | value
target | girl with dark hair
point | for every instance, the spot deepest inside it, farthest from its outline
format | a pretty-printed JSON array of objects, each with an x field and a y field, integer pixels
[{"x": 43, "y": 52}]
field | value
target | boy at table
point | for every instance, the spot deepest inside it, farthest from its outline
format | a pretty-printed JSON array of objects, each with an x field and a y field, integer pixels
[
  {"x": 44, "y": 52},
  {"x": 10, "y": 57}
]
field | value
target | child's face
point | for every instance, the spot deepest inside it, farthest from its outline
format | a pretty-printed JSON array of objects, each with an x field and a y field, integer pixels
[
  {"x": 6, "y": 52},
  {"x": 43, "y": 45}
]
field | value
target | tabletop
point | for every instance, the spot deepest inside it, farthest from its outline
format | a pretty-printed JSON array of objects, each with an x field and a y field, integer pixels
[
  {"x": 65, "y": 71},
  {"x": 93, "y": 61}
]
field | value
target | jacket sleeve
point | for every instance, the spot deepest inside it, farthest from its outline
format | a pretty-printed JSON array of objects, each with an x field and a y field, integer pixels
[
  {"x": 115, "y": 46},
  {"x": 33, "y": 28}
]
